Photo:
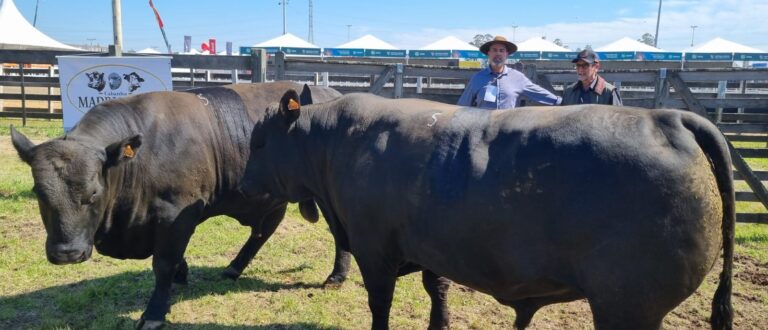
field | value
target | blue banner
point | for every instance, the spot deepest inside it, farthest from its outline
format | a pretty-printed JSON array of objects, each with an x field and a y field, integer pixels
[
  {"x": 616, "y": 56},
  {"x": 750, "y": 57},
  {"x": 708, "y": 57},
  {"x": 468, "y": 54},
  {"x": 300, "y": 51},
  {"x": 385, "y": 53},
  {"x": 558, "y": 55},
  {"x": 429, "y": 53},
  {"x": 349, "y": 52},
  {"x": 656, "y": 56},
  {"x": 525, "y": 55}
]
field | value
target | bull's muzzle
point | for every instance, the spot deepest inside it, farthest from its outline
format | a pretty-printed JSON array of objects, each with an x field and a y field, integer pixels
[{"x": 72, "y": 253}]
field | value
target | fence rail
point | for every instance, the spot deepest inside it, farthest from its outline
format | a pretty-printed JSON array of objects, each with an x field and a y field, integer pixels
[{"x": 736, "y": 99}]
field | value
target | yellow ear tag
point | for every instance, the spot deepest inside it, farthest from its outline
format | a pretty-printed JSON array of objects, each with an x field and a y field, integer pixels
[
  {"x": 128, "y": 151},
  {"x": 293, "y": 105}
]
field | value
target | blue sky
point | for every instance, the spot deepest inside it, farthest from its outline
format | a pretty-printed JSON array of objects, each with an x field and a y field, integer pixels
[{"x": 405, "y": 24}]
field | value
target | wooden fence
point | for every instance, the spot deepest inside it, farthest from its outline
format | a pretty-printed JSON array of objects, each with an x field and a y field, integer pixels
[{"x": 735, "y": 99}]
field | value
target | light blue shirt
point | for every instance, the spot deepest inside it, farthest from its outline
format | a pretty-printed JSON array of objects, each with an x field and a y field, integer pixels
[{"x": 489, "y": 90}]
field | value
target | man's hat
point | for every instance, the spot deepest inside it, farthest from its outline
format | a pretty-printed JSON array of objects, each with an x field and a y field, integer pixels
[
  {"x": 588, "y": 56},
  {"x": 511, "y": 48}
]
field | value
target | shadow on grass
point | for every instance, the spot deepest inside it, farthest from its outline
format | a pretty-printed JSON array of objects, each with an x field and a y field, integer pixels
[
  {"x": 104, "y": 302},
  {"x": 17, "y": 195}
]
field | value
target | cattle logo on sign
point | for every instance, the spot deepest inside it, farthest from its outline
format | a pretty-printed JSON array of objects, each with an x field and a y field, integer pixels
[{"x": 88, "y": 81}]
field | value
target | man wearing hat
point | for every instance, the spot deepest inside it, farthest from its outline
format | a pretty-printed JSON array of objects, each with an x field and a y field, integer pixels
[
  {"x": 498, "y": 86},
  {"x": 591, "y": 88}
]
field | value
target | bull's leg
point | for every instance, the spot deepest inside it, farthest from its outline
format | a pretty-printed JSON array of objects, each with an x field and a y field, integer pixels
[
  {"x": 340, "y": 268},
  {"x": 260, "y": 233},
  {"x": 182, "y": 272},
  {"x": 622, "y": 313},
  {"x": 380, "y": 283},
  {"x": 437, "y": 288},
  {"x": 170, "y": 243}
]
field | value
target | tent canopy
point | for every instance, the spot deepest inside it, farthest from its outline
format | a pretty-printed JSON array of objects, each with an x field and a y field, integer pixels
[
  {"x": 539, "y": 44},
  {"x": 367, "y": 42},
  {"x": 627, "y": 45},
  {"x": 17, "y": 33},
  {"x": 720, "y": 45},
  {"x": 449, "y": 43},
  {"x": 148, "y": 50},
  {"x": 286, "y": 40}
]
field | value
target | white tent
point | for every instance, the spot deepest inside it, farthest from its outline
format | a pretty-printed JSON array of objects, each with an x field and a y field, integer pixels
[
  {"x": 720, "y": 45},
  {"x": 367, "y": 42},
  {"x": 537, "y": 44},
  {"x": 449, "y": 43},
  {"x": 17, "y": 33},
  {"x": 149, "y": 50},
  {"x": 627, "y": 45},
  {"x": 286, "y": 40}
]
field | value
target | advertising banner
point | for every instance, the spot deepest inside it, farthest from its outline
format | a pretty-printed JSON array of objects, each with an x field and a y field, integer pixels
[
  {"x": 560, "y": 56},
  {"x": 750, "y": 57},
  {"x": 429, "y": 53},
  {"x": 708, "y": 56},
  {"x": 658, "y": 56},
  {"x": 87, "y": 81},
  {"x": 384, "y": 53},
  {"x": 616, "y": 56},
  {"x": 525, "y": 55},
  {"x": 346, "y": 52}
]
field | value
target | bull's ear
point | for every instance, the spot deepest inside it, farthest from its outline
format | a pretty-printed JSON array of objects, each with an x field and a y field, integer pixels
[
  {"x": 306, "y": 95},
  {"x": 22, "y": 144},
  {"x": 289, "y": 106},
  {"x": 124, "y": 150},
  {"x": 308, "y": 210}
]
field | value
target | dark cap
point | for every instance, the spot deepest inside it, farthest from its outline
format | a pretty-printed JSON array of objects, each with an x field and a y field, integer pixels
[
  {"x": 511, "y": 48},
  {"x": 588, "y": 56}
]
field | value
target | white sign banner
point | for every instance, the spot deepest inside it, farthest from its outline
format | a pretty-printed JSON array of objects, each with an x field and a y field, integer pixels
[{"x": 87, "y": 81}]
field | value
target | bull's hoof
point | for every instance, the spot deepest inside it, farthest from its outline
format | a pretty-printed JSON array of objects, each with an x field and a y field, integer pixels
[
  {"x": 334, "y": 282},
  {"x": 230, "y": 273},
  {"x": 149, "y": 324}
]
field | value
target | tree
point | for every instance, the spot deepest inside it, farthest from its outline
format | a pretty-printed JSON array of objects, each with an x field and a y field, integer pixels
[
  {"x": 647, "y": 39},
  {"x": 480, "y": 39}
]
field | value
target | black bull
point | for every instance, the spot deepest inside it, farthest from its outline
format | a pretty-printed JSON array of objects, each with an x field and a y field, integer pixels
[
  {"x": 625, "y": 207},
  {"x": 137, "y": 174}
]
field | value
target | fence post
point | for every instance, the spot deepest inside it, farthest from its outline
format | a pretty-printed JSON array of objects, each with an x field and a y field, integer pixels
[
  {"x": 721, "y": 86},
  {"x": 23, "y": 97},
  {"x": 326, "y": 79},
  {"x": 419, "y": 85},
  {"x": 235, "y": 79},
  {"x": 316, "y": 79},
  {"x": 258, "y": 65},
  {"x": 2, "y": 72},
  {"x": 279, "y": 66},
  {"x": 191, "y": 77},
  {"x": 662, "y": 89},
  {"x": 399, "y": 80},
  {"x": 742, "y": 91},
  {"x": 50, "y": 90}
]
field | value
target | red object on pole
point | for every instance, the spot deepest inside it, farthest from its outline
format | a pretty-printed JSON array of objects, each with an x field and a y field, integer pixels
[
  {"x": 157, "y": 14},
  {"x": 212, "y": 46}
]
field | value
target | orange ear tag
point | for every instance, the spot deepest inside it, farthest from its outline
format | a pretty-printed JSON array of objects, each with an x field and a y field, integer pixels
[
  {"x": 293, "y": 105},
  {"x": 128, "y": 151}
]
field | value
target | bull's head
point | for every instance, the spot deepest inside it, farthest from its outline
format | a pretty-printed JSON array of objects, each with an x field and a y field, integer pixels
[
  {"x": 96, "y": 80},
  {"x": 69, "y": 184}
]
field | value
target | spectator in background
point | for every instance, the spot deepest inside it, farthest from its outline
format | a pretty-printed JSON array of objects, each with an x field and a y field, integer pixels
[
  {"x": 498, "y": 86},
  {"x": 591, "y": 88}
]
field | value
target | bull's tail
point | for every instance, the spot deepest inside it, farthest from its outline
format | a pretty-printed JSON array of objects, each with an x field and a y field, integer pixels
[{"x": 715, "y": 146}]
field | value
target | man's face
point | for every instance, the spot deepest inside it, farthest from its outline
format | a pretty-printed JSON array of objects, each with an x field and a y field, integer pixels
[
  {"x": 586, "y": 71},
  {"x": 497, "y": 54}
]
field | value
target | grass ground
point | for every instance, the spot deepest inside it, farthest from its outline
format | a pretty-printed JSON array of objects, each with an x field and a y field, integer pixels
[{"x": 280, "y": 290}]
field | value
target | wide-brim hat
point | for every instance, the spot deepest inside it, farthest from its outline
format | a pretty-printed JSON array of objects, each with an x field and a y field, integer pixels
[{"x": 511, "y": 48}]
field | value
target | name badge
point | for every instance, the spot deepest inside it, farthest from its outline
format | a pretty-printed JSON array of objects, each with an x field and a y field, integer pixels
[{"x": 490, "y": 93}]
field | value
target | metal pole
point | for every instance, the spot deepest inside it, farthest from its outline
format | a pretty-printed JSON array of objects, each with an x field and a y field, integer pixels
[
  {"x": 284, "y": 24},
  {"x": 348, "y": 26},
  {"x": 117, "y": 23},
  {"x": 37, "y": 4},
  {"x": 514, "y": 29},
  {"x": 693, "y": 31},
  {"x": 658, "y": 19}
]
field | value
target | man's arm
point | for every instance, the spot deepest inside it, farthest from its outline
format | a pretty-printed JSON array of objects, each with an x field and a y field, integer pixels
[
  {"x": 539, "y": 94},
  {"x": 468, "y": 96}
]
